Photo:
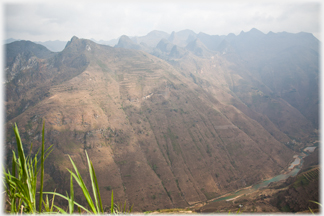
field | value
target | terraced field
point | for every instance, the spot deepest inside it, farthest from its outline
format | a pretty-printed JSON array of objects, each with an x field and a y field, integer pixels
[{"x": 307, "y": 177}]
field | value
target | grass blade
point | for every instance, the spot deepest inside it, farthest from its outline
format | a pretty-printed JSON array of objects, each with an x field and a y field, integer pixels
[
  {"x": 13, "y": 168},
  {"x": 46, "y": 204},
  {"x": 97, "y": 188},
  {"x": 92, "y": 182},
  {"x": 51, "y": 210},
  {"x": 66, "y": 198},
  {"x": 42, "y": 170},
  {"x": 310, "y": 210},
  {"x": 61, "y": 210},
  {"x": 131, "y": 208},
  {"x": 13, "y": 191},
  {"x": 71, "y": 201},
  {"x": 112, "y": 202},
  {"x": 23, "y": 171},
  {"x": 21, "y": 154},
  {"x": 315, "y": 202},
  {"x": 85, "y": 191},
  {"x": 48, "y": 152}
]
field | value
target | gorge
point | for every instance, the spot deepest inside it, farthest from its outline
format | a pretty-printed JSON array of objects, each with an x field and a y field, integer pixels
[{"x": 168, "y": 124}]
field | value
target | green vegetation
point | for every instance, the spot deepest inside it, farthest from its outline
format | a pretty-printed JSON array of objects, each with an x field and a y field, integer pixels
[
  {"x": 306, "y": 177},
  {"x": 108, "y": 188},
  {"x": 21, "y": 185},
  {"x": 121, "y": 162},
  {"x": 285, "y": 208},
  {"x": 21, "y": 182},
  {"x": 208, "y": 151},
  {"x": 154, "y": 167},
  {"x": 103, "y": 66}
]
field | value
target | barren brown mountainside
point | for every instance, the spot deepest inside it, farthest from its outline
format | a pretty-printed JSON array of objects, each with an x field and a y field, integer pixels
[{"x": 162, "y": 132}]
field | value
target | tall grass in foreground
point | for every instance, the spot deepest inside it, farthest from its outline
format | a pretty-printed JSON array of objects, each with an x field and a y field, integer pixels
[
  {"x": 21, "y": 182},
  {"x": 21, "y": 185}
]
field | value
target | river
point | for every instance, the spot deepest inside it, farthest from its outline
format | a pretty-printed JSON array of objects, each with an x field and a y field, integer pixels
[{"x": 294, "y": 168}]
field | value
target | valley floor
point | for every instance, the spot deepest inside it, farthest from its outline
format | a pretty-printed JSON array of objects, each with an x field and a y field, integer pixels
[{"x": 287, "y": 195}]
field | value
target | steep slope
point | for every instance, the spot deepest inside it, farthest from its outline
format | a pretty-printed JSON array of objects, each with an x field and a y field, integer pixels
[
  {"x": 30, "y": 76},
  {"x": 126, "y": 42},
  {"x": 182, "y": 38},
  {"x": 287, "y": 64},
  {"x": 177, "y": 52},
  {"x": 199, "y": 49},
  {"x": 210, "y": 41},
  {"x": 160, "y": 136},
  {"x": 21, "y": 53},
  {"x": 164, "y": 46},
  {"x": 247, "y": 94},
  {"x": 19, "y": 47}
]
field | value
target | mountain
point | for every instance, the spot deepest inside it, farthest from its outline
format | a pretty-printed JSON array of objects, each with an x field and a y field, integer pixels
[
  {"x": 199, "y": 49},
  {"x": 168, "y": 131},
  {"x": 126, "y": 42},
  {"x": 164, "y": 45},
  {"x": 280, "y": 61},
  {"x": 177, "y": 52},
  {"x": 210, "y": 41},
  {"x": 10, "y": 40},
  {"x": 112, "y": 42},
  {"x": 23, "y": 55},
  {"x": 54, "y": 46},
  {"x": 22, "y": 46},
  {"x": 152, "y": 38},
  {"x": 182, "y": 38}
]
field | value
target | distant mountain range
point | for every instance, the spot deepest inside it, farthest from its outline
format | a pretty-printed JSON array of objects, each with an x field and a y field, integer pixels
[
  {"x": 169, "y": 120},
  {"x": 180, "y": 38}
]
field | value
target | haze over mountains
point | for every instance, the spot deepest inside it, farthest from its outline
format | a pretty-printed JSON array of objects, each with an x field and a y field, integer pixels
[{"x": 168, "y": 120}]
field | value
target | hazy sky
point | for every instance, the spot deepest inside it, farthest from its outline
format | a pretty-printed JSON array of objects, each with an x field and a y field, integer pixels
[{"x": 60, "y": 20}]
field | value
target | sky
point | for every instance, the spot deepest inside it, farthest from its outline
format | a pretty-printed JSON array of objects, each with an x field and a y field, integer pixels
[{"x": 106, "y": 20}]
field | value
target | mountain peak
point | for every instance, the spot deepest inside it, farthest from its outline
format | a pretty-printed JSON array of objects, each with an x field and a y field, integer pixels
[
  {"x": 28, "y": 48},
  {"x": 73, "y": 39},
  {"x": 195, "y": 42},
  {"x": 164, "y": 45},
  {"x": 127, "y": 43},
  {"x": 255, "y": 31},
  {"x": 177, "y": 52},
  {"x": 124, "y": 39},
  {"x": 157, "y": 33},
  {"x": 172, "y": 36},
  {"x": 198, "y": 48}
]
